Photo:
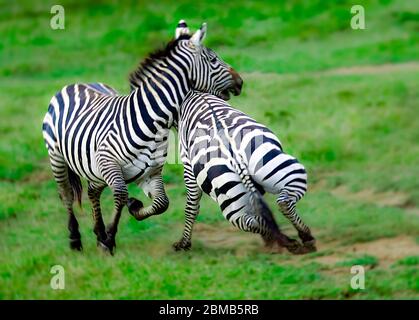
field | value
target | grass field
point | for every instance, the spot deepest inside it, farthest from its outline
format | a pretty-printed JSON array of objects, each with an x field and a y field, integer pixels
[{"x": 344, "y": 101}]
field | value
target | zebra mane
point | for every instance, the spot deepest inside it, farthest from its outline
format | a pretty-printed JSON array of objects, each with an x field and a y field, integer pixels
[{"x": 136, "y": 77}]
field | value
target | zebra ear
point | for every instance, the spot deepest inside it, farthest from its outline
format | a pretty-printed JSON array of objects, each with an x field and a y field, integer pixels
[
  {"x": 181, "y": 29},
  {"x": 199, "y": 36}
]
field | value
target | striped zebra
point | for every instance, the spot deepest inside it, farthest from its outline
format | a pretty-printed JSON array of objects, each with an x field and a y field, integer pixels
[
  {"x": 235, "y": 160},
  {"x": 109, "y": 139}
]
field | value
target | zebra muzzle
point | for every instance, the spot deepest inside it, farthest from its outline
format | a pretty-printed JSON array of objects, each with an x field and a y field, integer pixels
[{"x": 236, "y": 88}]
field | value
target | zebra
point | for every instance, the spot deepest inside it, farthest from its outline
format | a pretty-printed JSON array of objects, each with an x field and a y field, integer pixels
[
  {"x": 110, "y": 139},
  {"x": 235, "y": 160}
]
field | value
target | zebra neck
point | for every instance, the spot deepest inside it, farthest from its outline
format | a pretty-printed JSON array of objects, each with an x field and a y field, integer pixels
[
  {"x": 161, "y": 87},
  {"x": 158, "y": 102}
]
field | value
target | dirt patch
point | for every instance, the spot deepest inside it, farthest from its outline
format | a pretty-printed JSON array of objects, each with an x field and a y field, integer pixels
[
  {"x": 386, "y": 250},
  {"x": 227, "y": 237},
  {"x": 382, "y": 199},
  {"x": 329, "y": 260}
]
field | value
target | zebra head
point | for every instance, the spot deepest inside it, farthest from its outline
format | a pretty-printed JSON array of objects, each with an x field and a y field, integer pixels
[{"x": 208, "y": 72}]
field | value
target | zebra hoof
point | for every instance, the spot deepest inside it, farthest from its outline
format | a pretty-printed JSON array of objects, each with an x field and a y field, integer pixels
[
  {"x": 309, "y": 246},
  {"x": 75, "y": 244},
  {"x": 268, "y": 241},
  {"x": 105, "y": 248},
  {"x": 134, "y": 206},
  {"x": 182, "y": 245},
  {"x": 295, "y": 247}
]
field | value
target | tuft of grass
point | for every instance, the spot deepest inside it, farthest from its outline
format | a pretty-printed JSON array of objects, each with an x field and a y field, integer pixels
[
  {"x": 365, "y": 260},
  {"x": 409, "y": 261}
]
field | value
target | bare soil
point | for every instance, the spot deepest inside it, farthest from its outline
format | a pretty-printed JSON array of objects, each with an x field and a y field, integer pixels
[
  {"x": 386, "y": 250},
  {"x": 389, "y": 198}
]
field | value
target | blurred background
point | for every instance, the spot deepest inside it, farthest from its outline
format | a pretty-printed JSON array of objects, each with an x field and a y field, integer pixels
[{"x": 344, "y": 101}]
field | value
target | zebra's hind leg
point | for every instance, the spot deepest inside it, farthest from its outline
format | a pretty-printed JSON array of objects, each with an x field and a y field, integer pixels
[
  {"x": 94, "y": 193},
  {"x": 193, "y": 198},
  {"x": 287, "y": 203},
  {"x": 61, "y": 173},
  {"x": 154, "y": 188},
  {"x": 270, "y": 234}
]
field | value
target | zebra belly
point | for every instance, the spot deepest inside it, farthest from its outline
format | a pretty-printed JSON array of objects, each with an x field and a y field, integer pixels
[
  {"x": 140, "y": 169},
  {"x": 86, "y": 168},
  {"x": 146, "y": 164}
]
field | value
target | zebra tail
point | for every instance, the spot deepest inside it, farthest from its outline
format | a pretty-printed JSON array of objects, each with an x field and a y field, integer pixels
[
  {"x": 257, "y": 201},
  {"x": 263, "y": 210},
  {"x": 75, "y": 183}
]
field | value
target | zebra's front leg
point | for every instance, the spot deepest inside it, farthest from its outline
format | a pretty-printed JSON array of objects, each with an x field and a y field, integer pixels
[
  {"x": 120, "y": 196},
  {"x": 154, "y": 189},
  {"x": 112, "y": 173},
  {"x": 287, "y": 205},
  {"x": 193, "y": 197}
]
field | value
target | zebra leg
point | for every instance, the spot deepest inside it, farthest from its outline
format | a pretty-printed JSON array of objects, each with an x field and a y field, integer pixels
[
  {"x": 193, "y": 197},
  {"x": 256, "y": 224},
  {"x": 112, "y": 173},
  {"x": 120, "y": 195},
  {"x": 156, "y": 192},
  {"x": 94, "y": 193},
  {"x": 287, "y": 205},
  {"x": 60, "y": 171}
]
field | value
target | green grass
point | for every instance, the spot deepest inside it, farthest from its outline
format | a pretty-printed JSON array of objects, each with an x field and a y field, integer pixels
[
  {"x": 364, "y": 261},
  {"x": 356, "y": 131},
  {"x": 409, "y": 261}
]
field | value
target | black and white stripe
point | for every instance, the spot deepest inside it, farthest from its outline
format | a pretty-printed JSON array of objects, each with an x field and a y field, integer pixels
[
  {"x": 109, "y": 139},
  {"x": 234, "y": 160}
]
